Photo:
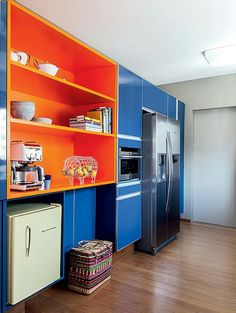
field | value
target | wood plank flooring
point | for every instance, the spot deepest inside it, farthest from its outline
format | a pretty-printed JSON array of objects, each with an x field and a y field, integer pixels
[{"x": 194, "y": 274}]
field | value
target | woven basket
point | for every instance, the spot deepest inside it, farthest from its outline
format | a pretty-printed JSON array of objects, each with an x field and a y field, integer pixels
[{"x": 89, "y": 265}]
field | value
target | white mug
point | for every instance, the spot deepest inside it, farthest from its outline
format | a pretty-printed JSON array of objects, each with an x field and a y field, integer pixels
[
  {"x": 23, "y": 57},
  {"x": 14, "y": 57}
]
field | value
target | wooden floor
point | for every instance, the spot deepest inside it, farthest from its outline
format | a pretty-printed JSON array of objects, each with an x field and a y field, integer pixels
[{"x": 196, "y": 273}]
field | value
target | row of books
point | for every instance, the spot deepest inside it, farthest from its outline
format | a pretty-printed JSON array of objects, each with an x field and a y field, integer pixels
[
  {"x": 99, "y": 120},
  {"x": 85, "y": 123},
  {"x": 104, "y": 115}
]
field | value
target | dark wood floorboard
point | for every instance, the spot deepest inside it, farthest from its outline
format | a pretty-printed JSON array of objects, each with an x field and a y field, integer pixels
[{"x": 194, "y": 274}]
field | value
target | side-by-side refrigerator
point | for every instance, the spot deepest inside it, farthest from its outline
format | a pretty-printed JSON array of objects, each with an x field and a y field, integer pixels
[{"x": 161, "y": 181}]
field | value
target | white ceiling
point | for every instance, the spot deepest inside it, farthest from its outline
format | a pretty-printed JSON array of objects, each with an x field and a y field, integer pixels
[{"x": 161, "y": 40}]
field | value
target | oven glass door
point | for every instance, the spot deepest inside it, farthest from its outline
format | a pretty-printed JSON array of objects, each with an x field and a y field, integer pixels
[{"x": 129, "y": 168}]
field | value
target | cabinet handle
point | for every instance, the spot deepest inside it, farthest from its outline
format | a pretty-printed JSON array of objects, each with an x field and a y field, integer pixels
[
  {"x": 130, "y": 195},
  {"x": 28, "y": 240}
]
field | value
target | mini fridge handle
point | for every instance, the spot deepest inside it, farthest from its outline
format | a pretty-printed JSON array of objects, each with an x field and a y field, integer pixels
[{"x": 28, "y": 239}]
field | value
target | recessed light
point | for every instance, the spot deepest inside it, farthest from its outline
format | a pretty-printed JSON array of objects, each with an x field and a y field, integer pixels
[{"x": 221, "y": 56}]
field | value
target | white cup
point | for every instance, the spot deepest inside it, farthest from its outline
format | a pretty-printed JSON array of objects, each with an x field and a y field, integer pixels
[
  {"x": 23, "y": 57},
  {"x": 14, "y": 56}
]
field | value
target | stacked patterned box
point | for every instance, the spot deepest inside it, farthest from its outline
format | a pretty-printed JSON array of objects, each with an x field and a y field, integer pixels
[{"x": 89, "y": 266}]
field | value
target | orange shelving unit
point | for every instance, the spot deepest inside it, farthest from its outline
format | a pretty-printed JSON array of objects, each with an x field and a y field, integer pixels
[{"x": 86, "y": 80}]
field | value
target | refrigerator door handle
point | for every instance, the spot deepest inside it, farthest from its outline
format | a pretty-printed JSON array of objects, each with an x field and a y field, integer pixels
[
  {"x": 168, "y": 169},
  {"x": 27, "y": 239},
  {"x": 171, "y": 166}
]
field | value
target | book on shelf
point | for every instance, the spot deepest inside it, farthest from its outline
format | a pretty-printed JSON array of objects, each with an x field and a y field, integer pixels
[
  {"x": 104, "y": 115},
  {"x": 86, "y": 126},
  {"x": 84, "y": 119}
]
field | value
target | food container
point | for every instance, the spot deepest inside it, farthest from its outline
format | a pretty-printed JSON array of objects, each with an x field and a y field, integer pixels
[
  {"x": 80, "y": 168},
  {"x": 23, "y": 110}
]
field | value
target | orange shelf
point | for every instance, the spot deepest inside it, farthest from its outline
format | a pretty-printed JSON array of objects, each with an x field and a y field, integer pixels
[
  {"x": 42, "y": 128},
  {"x": 25, "y": 78},
  {"x": 45, "y": 41},
  {"x": 86, "y": 80},
  {"x": 56, "y": 186}
]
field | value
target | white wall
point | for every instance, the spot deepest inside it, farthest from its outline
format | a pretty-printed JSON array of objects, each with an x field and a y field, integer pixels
[{"x": 215, "y": 92}]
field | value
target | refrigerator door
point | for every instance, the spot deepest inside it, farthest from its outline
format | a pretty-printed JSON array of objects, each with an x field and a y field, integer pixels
[
  {"x": 173, "y": 127},
  {"x": 154, "y": 217},
  {"x": 34, "y": 250},
  {"x": 173, "y": 201},
  {"x": 147, "y": 184},
  {"x": 159, "y": 177}
]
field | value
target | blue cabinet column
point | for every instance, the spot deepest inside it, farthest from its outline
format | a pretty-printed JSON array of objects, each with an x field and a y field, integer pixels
[
  {"x": 3, "y": 100},
  {"x": 181, "y": 117},
  {"x": 130, "y": 103}
]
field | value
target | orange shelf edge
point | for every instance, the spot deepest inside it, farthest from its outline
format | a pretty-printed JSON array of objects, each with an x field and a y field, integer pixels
[
  {"x": 23, "y": 194},
  {"x": 57, "y": 129},
  {"x": 62, "y": 81}
]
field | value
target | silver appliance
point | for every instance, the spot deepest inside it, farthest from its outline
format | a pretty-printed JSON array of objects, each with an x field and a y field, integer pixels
[
  {"x": 161, "y": 179},
  {"x": 25, "y": 175},
  {"x": 129, "y": 163}
]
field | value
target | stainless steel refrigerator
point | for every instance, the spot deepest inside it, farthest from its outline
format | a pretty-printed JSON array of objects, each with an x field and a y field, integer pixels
[{"x": 161, "y": 180}]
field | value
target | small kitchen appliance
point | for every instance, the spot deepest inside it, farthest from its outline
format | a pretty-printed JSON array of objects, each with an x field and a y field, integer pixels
[
  {"x": 25, "y": 175},
  {"x": 129, "y": 163}
]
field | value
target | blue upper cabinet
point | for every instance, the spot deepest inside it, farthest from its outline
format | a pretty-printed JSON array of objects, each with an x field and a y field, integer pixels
[
  {"x": 154, "y": 98},
  {"x": 3, "y": 13},
  {"x": 130, "y": 103},
  {"x": 181, "y": 117},
  {"x": 171, "y": 107}
]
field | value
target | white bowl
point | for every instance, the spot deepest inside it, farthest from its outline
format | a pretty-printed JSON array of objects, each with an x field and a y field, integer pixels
[
  {"x": 23, "y": 110},
  {"x": 48, "y": 68},
  {"x": 45, "y": 120}
]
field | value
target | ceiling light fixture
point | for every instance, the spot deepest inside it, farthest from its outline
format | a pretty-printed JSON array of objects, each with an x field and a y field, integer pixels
[{"x": 221, "y": 56}]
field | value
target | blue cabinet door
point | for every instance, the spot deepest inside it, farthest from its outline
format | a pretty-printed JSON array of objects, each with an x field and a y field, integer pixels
[
  {"x": 79, "y": 216},
  {"x": 181, "y": 116},
  {"x": 154, "y": 98},
  {"x": 84, "y": 217},
  {"x": 129, "y": 221},
  {"x": 3, "y": 25},
  {"x": 171, "y": 107},
  {"x": 130, "y": 103}
]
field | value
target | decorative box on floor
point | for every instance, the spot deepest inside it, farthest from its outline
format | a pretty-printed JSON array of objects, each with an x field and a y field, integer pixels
[{"x": 89, "y": 265}]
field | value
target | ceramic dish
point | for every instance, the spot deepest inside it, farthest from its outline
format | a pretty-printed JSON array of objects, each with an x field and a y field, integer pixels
[
  {"x": 23, "y": 110},
  {"x": 45, "y": 120}
]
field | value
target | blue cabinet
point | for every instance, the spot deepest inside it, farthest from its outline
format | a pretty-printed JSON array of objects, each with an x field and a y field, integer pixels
[
  {"x": 129, "y": 220},
  {"x": 154, "y": 98},
  {"x": 181, "y": 117},
  {"x": 84, "y": 219},
  {"x": 130, "y": 103},
  {"x": 119, "y": 219},
  {"x": 79, "y": 216},
  {"x": 171, "y": 107},
  {"x": 3, "y": 16}
]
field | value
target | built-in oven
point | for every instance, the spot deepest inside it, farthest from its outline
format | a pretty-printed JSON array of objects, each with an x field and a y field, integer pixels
[{"x": 129, "y": 163}]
